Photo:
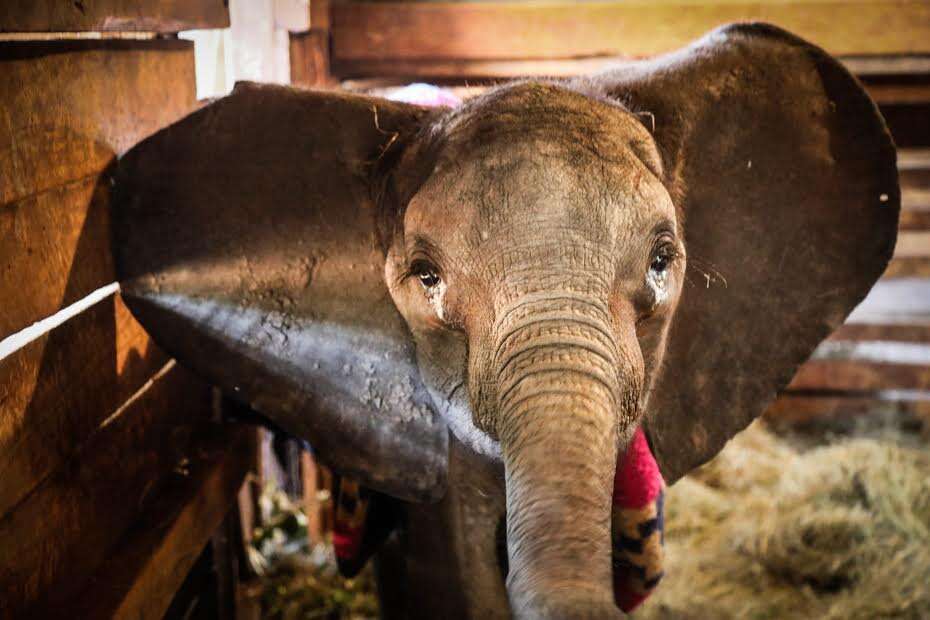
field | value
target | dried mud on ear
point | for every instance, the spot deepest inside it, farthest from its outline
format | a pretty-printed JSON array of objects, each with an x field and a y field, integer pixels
[{"x": 246, "y": 239}]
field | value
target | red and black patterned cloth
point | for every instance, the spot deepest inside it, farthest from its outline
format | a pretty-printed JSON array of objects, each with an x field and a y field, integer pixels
[{"x": 638, "y": 524}]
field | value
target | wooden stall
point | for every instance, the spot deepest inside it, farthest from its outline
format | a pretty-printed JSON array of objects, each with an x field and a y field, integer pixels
[{"x": 115, "y": 465}]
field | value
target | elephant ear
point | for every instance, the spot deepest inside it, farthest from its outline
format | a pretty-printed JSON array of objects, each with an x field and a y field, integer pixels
[
  {"x": 784, "y": 174},
  {"x": 247, "y": 245}
]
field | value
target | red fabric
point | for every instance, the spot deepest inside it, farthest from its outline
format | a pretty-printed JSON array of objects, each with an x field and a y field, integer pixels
[
  {"x": 625, "y": 598},
  {"x": 346, "y": 542},
  {"x": 638, "y": 480}
]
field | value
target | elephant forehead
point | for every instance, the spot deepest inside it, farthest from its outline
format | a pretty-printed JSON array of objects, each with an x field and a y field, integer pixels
[{"x": 532, "y": 185}]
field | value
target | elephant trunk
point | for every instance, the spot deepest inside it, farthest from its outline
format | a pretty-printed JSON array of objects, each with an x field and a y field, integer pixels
[{"x": 565, "y": 400}]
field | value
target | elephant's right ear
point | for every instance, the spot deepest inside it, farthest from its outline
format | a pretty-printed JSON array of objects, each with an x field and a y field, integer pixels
[{"x": 246, "y": 239}]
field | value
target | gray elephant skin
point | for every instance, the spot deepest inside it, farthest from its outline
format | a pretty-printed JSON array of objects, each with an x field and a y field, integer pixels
[{"x": 471, "y": 310}]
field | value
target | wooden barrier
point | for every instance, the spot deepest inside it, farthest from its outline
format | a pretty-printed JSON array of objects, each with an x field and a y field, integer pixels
[
  {"x": 114, "y": 469},
  {"x": 500, "y": 39},
  {"x": 111, "y": 15}
]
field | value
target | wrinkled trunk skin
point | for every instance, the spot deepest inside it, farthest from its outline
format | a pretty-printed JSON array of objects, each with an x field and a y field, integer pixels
[{"x": 562, "y": 414}]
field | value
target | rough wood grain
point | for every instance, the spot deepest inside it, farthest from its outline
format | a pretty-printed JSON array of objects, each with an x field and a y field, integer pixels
[
  {"x": 54, "y": 250},
  {"x": 111, "y": 15},
  {"x": 522, "y": 30},
  {"x": 66, "y": 109},
  {"x": 57, "y": 390},
  {"x": 155, "y": 555},
  {"x": 67, "y": 527}
]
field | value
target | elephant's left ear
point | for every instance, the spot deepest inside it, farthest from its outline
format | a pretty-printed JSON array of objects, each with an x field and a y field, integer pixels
[
  {"x": 784, "y": 174},
  {"x": 247, "y": 245}
]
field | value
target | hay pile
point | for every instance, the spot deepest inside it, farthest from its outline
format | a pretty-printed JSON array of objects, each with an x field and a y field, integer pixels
[{"x": 769, "y": 531}]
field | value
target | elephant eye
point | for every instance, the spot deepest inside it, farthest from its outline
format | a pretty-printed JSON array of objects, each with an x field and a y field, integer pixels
[
  {"x": 660, "y": 263},
  {"x": 426, "y": 272},
  {"x": 662, "y": 258}
]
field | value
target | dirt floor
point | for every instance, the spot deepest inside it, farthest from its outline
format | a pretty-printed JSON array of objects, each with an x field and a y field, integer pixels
[{"x": 774, "y": 527}]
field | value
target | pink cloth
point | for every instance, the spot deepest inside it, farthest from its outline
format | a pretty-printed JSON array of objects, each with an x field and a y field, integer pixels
[
  {"x": 425, "y": 94},
  {"x": 638, "y": 480}
]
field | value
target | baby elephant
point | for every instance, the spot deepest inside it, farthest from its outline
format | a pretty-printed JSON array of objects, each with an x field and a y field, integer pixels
[{"x": 473, "y": 310}]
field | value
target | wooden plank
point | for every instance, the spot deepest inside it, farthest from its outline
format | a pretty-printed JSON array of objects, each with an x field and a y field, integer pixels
[
  {"x": 111, "y": 15},
  {"x": 439, "y": 69},
  {"x": 792, "y": 408},
  {"x": 70, "y": 106},
  {"x": 913, "y": 159},
  {"x": 309, "y": 55},
  {"x": 155, "y": 555},
  {"x": 57, "y": 390},
  {"x": 915, "y": 220},
  {"x": 55, "y": 249},
  {"x": 915, "y": 198},
  {"x": 549, "y": 30},
  {"x": 898, "y": 92},
  {"x": 890, "y": 90},
  {"x": 879, "y": 332},
  {"x": 912, "y": 245},
  {"x": 68, "y": 526},
  {"x": 883, "y": 66},
  {"x": 908, "y": 267},
  {"x": 848, "y": 375},
  {"x": 66, "y": 110}
]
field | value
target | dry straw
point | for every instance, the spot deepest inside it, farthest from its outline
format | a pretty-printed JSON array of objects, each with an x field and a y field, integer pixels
[{"x": 770, "y": 531}]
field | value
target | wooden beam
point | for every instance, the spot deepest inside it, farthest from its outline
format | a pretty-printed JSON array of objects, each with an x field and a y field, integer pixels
[
  {"x": 798, "y": 409},
  {"x": 915, "y": 220},
  {"x": 111, "y": 15},
  {"x": 155, "y": 555},
  {"x": 56, "y": 391},
  {"x": 559, "y": 30},
  {"x": 66, "y": 528},
  {"x": 888, "y": 333},
  {"x": 912, "y": 244},
  {"x": 908, "y": 267},
  {"x": 309, "y": 53},
  {"x": 848, "y": 375},
  {"x": 69, "y": 109}
]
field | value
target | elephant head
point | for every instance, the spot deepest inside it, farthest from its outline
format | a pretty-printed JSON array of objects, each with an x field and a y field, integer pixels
[{"x": 539, "y": 271}]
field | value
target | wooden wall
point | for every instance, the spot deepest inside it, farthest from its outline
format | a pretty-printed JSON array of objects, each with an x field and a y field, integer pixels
[
  {"x": 502, "y": 39},
  {"x": 114, "y": 468}
]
